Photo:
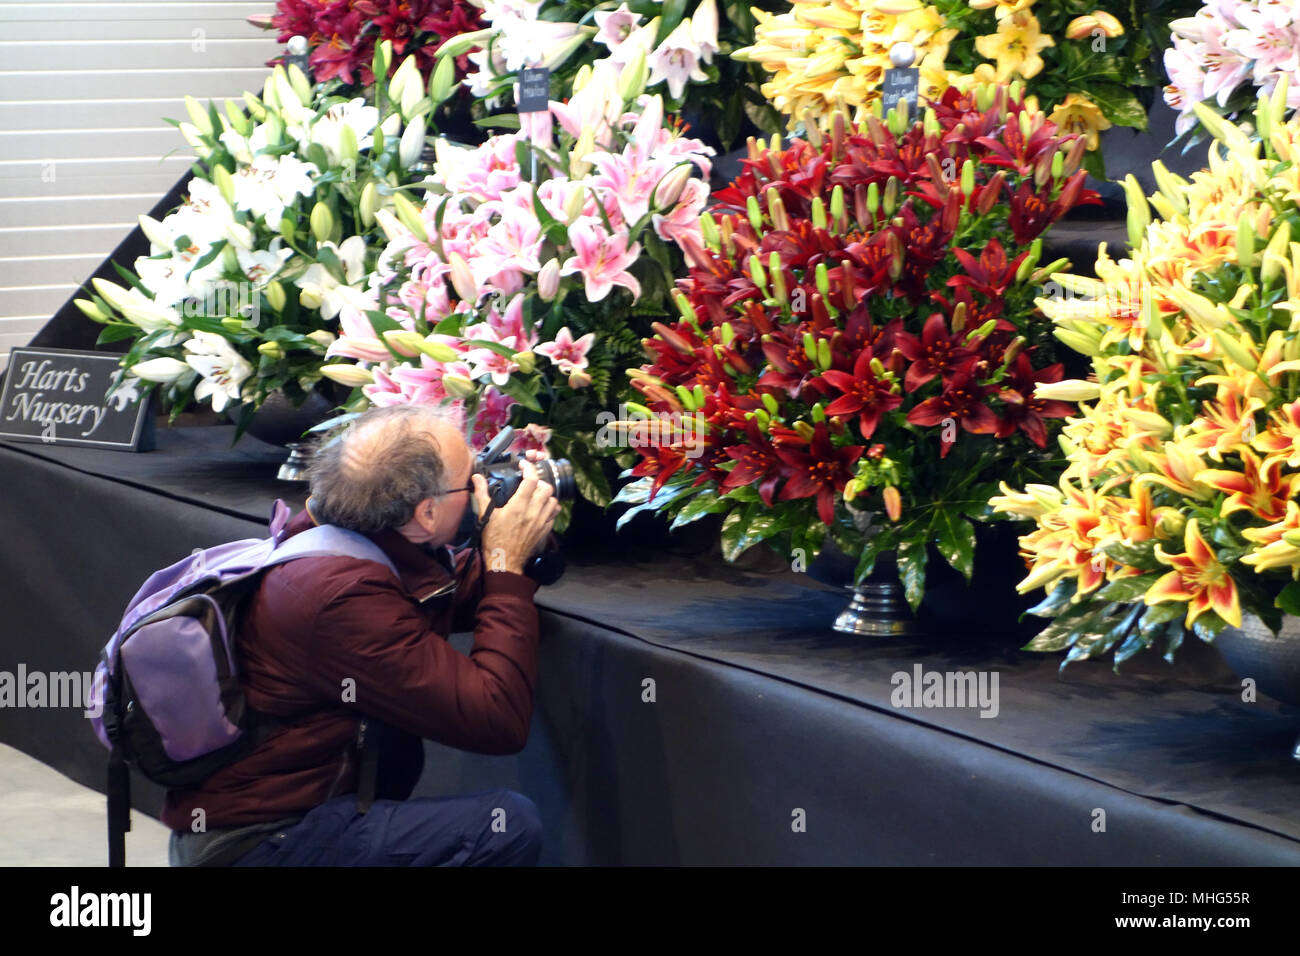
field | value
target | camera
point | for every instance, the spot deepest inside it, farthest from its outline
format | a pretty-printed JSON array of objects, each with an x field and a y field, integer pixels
[{"x": 500, "y": 470}]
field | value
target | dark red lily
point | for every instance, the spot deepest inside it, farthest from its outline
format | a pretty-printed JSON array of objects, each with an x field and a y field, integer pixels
[
  {"x": 937, "y": 352},
  {"x": 961, "y": 401},
  {"x": 1025, "y": 412},
  {"x": 862, "y": 393},
  {"x": 822, "y": 471}
]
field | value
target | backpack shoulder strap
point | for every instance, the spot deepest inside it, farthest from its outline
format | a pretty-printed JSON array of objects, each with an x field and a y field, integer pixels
[{"x": 328, "y": 539}]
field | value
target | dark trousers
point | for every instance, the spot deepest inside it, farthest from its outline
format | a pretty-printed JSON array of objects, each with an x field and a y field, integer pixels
[{"x": 497, "y": 828}]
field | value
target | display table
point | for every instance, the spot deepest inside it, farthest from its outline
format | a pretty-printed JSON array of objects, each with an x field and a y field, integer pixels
[{"x": 761, "y": 717}]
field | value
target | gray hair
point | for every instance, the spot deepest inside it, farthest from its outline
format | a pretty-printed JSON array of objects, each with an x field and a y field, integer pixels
[{"x": 371, "y": 477}]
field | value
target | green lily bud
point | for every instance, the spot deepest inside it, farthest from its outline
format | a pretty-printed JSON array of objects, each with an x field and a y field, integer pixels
[
  {"x": 443, "y": 80},
  {"x": 756, "y": 273},
  {"x": 233, "y": 323},
  {"x": 632, "y": 80},
  {"x": 984, "y": 331},
  {"x": 930, "y": 123},
  {"x": 272, "y": 350},
  {"x": 968, "y": 177},
  {"x": 368, "y": 203},
  {"x": 709, "y": 229},
  {"x": 778, "y": 278},
  {"x": 224, "y": 182},
  {"x": 348, "y": 151},
  {"x": 275, "y": 296},
  {"x": 804, "y": 430},
  {"x": 810, "y": 346},
  {"x": 755, "y": 214},
  {"x": 1245, "y": 243},
  {"x": 526, "y": 360},
  {"x": 837, "y": 205},
  {"x": 698, "y": 392},
  {"x": 891, "y": 195},
  {"x": 983, "y": 96},
  {"x": 823, "y": 279},
  {"x": 873, "y": 200},
  {"x": 255, "y": 107},
  {"x": 818, "y": 213},
  {"x": 1025, "y": 126},
  {"x": 1058, "y": 164},
  {"x": 239, "y": 120},
  {"x": 823, "y": 354},
  {"x": 229, "y": 261},
  {"x": 198, "y": 116},
  {"x": 818, "y": 413},
  {"x": 1275, "y": 252},
  {"x": 686, "y": 309},
  {"x": 1234, "y": 350},
  {"x": 322, "y": 222},
  {"x": 409, "y": 216},
  {"x": 1027, "y": 264},
  {"x": 91, "y": 310},
  {"x": 288, "y": 228},
  {"x": 686, "y": 397},
  {"x": 728, "y": 333},
  {"x": 1139, "y": 212},
  {"x": 770, "y": 403}
]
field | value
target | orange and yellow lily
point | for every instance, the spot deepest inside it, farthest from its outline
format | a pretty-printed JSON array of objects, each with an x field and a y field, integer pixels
[
  {"x": 1259, "y": 487},
  {"x": 1197, "y": 578}
]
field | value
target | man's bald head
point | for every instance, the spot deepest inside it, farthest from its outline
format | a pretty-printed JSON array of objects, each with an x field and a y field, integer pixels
[{"x": 389, "y": 460}]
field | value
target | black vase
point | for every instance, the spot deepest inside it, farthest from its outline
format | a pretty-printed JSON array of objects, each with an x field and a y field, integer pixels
[{"x": 279, "y": 422}]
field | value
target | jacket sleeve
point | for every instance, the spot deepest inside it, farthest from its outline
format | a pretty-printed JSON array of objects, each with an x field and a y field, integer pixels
[
  {"x": 469, "y": 589},
  {"x": 406, "y": 674}
]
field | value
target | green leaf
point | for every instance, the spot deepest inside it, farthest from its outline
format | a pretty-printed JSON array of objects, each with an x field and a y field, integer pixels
[
  {"x": 634, "y": 492},
  {"x": 1118, "y": 104},
  {"x": 1056, "y": 601},
  {"x": 502, "y": 350},
  {"x": 911, "y": 570},
  {"x": 761, "y": 526},
  {"x": 1289, "y": 599},
  {"x": 1141, "y": 556},
  {"x": 589, "y": 475},
  {"x": 115, "y": 333},
  {"x": 521, "y": 394},
  {"x": 705, "y": 502},
  {"x": 500, "y": 121},
  {"x": 1124, "y": 590},
  {"x": 733, "y": 527},
  {"x": 955, "y": 539}
]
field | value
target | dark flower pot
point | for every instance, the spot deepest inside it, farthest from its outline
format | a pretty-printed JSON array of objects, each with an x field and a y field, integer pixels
[
  {"x": 279, "y": 422},
  {"x": 1271, "y": 661}
]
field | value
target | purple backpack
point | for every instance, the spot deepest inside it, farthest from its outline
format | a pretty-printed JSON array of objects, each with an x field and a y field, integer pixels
[{"x": 166, "y": 693}]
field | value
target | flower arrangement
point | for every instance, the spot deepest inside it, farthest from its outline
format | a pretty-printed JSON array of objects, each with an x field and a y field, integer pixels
[
  {"x": 1081, "y": 63},
  {"x": 1229, "y": 52},
  {"x": 520, "y": 288},
  {"x": 1176, "y": 511},
  {"x": 342, "y": 35},
  {"x": 685, "y": 45},
  {"x": 241, "y": 293},
  {"x": 858, "y": 337}
]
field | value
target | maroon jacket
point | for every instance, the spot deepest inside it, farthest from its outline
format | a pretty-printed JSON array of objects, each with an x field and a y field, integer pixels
[{"x": 329, "y": 640}]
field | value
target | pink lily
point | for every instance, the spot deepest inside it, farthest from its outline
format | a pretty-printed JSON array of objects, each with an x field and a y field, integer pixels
[
  {"x": 566, "y": 353},
  {"x": 602, "y": 259}
]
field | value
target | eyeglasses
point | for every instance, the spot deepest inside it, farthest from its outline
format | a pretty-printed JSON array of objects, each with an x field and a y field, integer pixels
[{"x": 469, "y": 486}]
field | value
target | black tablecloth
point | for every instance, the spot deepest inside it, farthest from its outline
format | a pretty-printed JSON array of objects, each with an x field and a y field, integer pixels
[{"x": 761, "y": 716}]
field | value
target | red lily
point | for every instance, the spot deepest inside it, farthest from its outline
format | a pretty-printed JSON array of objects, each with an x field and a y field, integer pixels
[
  {"x": 962, "y": 400},
  {"x": 863, "y": 393},
  {"x": 991, "y": 273},
  {"x": 937, "y": 352},
  {"x": 756, "y": 464},
  {"x": 1023, "y": 410},
  {"x": 822, "y": 471}
]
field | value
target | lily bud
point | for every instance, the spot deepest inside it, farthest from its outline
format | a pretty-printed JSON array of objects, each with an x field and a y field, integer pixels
[
  {"x": 164, "y": 370},
  {"x": 579, "y": 379},
  {"x": 272, "y": 350},
  {"x": 778, "y": 278},
  {"x": 893, "y": 503},
  {"x": 891, "y": 193},
  {"x": 1081, "y": 27},
  {"x": 968, "y": 176},
  {"x": 1110, "y": 26},
  {"x": 804, "y": 430},
  {"x": 959, "y": 317},
  {"x": 322, "y": 222},
  {"x": 288, "y": 228},
  {"x": 632, "y": 80},
  {"x": 309, "y": 299},
  {"x": 198, "y": 116},
  {"x": 458, "y": 386},
  {"x": 755, "y": 214},
  {"x": 409, "y": 216},
  {"x": 347, "y": 375},
  {"x": 91, "y": 309},
  {"x": 321, "y": 337},
  {"x": 275, "y": 295},
  {"x": 669, "y": 189},
  {"x": 709, "y": 230},
  {"x": 224, "y": 182},
  {"x": 443, "y": 80},
  {"x": 756, "y": 273},
  {"x": 404, "y": 341},
  {"x": 686, "y": 309},
  {"x": 411, "y": 144},
  {"x": 873, "y": 200},
  {"x": 1070, "y": 390},
  {"x": 548, "y": 280},
  {"x": 1245, "y": 244},
  {"x": 818, "y": 212},
  {"x": 823, "y": 280},
  {"x": 1275, "y": 252},
  {"x": 837, "y": 207},
  {"x": 368, "y": 203},
  {"x": 462, "y": 279},
  {"x": 255, "y": 107}
]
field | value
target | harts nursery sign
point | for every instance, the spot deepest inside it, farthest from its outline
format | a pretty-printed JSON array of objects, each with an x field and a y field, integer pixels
[{"x": 60, "y": 396}]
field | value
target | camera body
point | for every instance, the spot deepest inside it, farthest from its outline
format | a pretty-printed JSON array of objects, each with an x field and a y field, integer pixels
[{"x": 501, "y": 471}]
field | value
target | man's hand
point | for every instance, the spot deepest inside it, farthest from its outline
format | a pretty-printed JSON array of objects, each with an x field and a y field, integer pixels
[{"x": 516, "y": 530}]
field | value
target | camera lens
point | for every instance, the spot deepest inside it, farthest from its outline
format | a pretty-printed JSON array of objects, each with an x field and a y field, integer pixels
[{"x": 558, "y": 473}]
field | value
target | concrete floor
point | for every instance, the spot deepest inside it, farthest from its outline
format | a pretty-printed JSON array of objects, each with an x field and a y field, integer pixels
[{"x": 48, "y": 820}]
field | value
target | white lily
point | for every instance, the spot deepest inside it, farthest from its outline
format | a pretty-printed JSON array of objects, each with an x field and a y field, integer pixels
[
  {"x": 676, "y": 60},
  {"x": 223, "y": 369},
  {"x": 355, "y": 114},
  {"x": 269, "y": 183},
  {"x": 319, "y": 283},
  {"x": 244, "y": 148},
  {"x": 704, "y": 29},
  {"x": 137, "y": 307}
]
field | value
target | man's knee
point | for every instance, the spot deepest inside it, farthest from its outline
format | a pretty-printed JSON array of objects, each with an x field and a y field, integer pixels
[{"x": 514, "y": 831}]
